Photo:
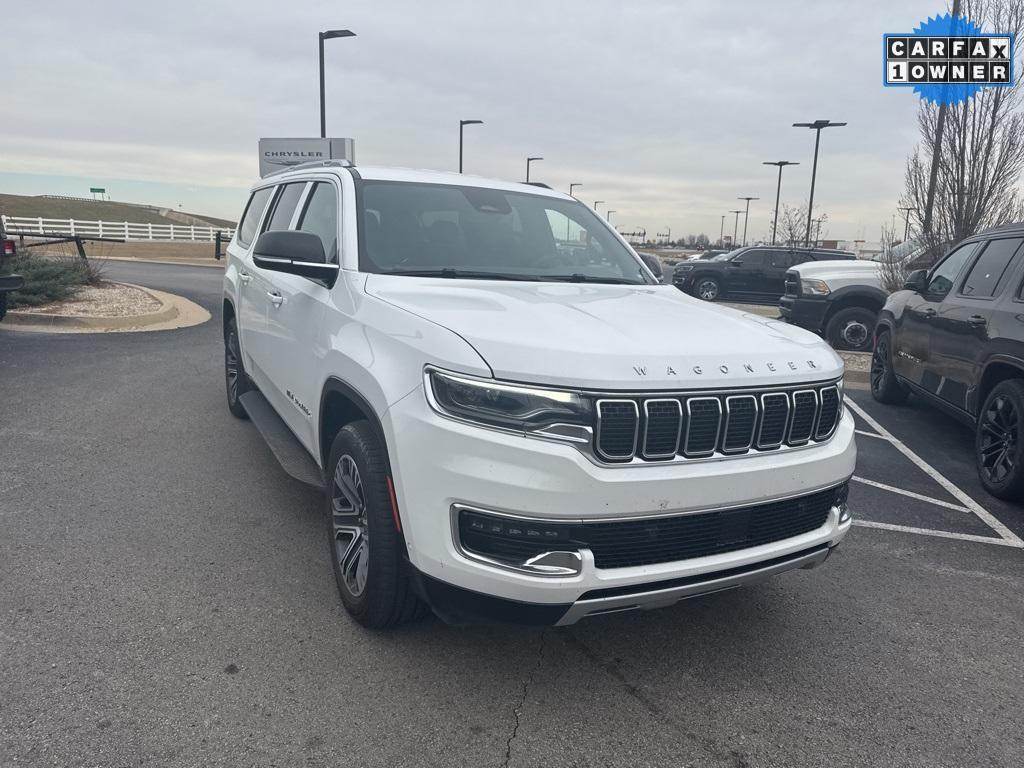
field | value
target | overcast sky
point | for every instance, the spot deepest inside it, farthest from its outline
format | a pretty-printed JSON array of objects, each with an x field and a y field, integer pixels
[{"x": 664, "y": 109}]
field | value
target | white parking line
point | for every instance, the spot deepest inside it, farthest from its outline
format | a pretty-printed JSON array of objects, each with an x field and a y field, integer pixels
[
  {"x": 870, "y": 434},
  {"x": 932, "y": 532},
  {"x": 911, "y": 494},
  {"x": 1007, "y": 537}
]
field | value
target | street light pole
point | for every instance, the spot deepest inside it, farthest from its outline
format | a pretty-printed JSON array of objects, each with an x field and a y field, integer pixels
[
  {"x": 721, "y": 233},
  {"x": 906, "y": 229},
  {"x": 462, "y": 124},
  {"x": 608, "y": 215},
  {"x": 528, "y": 161},
  {"x": 597, "y": 203},
  {"x": 746, "y": 216},
  {"x": 735, "y": 226},
  {"x": 328, "y": 35},
  {"x": 816, "y": 126},
  {"x": 778, "y": 189},
  {"x": 573, "y": 186},
  {"x": 567, "y": 219}
]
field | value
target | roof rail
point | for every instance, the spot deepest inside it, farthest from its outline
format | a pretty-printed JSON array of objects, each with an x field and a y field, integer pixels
[{"x": 312, "y": 164}]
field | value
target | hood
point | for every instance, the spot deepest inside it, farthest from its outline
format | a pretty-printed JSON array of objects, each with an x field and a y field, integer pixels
[
  {"x": 611, "y": 336},
  {"x": 823, "y": 270}
]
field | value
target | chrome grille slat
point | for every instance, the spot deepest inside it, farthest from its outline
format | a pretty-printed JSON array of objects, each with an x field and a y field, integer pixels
[{"x": 706, "y": 424}]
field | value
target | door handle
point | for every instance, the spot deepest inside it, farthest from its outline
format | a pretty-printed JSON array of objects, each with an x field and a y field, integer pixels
[
  {"x": 928, "y": 312},
  {"x": 245, "y": 277},
  {"x": 275, "y": 298},
  {"x": 977, "y": 320}
]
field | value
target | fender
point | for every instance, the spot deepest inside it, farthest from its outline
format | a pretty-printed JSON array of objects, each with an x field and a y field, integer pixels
[
  {"x": 858, "y": 291},
  {"x": 334, "y": 384},
  {"x": 997, "y": 358}
]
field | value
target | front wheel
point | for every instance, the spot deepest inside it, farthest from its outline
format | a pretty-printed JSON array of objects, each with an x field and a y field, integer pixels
[
  {"x": 366, "y": 547},
  {"x": 707, "y": 288},
  {"x": 850, "y": 329},
  {"x": 998, "y": 449},
  {"x": 236, "y": 382},
  {"x": 885, "y": 387}
]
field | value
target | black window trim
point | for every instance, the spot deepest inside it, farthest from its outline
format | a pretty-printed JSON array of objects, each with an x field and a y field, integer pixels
[
  {"x": 275, "y": 200},
  {"x": 303, "y": 205},
  {"x": 960, "y": 276},
  {"x": 259, "y": 223}
]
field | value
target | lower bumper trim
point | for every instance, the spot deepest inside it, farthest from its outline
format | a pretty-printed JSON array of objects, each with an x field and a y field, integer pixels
[{"x": 665, "y": 593}]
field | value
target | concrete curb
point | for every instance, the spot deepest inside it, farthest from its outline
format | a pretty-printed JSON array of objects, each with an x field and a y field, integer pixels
[
  {"x": 858, "y": 367},
  {"x": 175, "y": 312}
]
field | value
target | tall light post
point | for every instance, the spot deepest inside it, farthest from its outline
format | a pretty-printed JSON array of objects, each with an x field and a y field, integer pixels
[
  {"x": 528, "y": 161},
  {"x": 573, "y": 186},
  {"x": 463, "y": 124},
  {"x": 597, "y": 203},
  {"x": 567, "y": 219},
  {"x": 906, "y": 229},
  {"x": 608, "y": 215},
  {"x": 746, "y": 216},
  {"x": 778, "y": 189},
  {"x": 816, "y": 126},
  {"x": 735, "y": 227},
  {"x": 328, "y": 35},
  {"x": 721, "y": 233}
]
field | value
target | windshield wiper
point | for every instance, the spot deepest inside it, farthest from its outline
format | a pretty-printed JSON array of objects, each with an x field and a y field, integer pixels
[
  {"x": 578, "y": 277},
  {"x": 456, "y": 273}
]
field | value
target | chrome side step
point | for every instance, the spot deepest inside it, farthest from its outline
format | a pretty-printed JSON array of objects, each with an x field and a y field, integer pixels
[{"x": 290, "y": 453}]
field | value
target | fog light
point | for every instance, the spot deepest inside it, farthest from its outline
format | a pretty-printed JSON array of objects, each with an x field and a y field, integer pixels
[
  {"x": 844, "y": 514},
  {"x": 537, "y": 548}
]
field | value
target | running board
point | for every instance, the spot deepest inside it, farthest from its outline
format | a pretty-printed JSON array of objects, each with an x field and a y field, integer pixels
[{"x": 294, "y": 459}]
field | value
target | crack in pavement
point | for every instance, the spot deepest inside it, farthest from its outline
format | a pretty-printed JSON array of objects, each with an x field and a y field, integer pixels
[{"x": 518, "y": 708}]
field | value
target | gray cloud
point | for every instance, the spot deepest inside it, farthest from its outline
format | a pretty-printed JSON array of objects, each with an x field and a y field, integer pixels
[{"x": 664, "y": 109}]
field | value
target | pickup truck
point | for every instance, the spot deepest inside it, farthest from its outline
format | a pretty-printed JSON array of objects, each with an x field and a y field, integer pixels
[{"x": 496, "y": 433}]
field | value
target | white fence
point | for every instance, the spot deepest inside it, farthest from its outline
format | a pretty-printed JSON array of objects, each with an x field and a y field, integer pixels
[{"x": 118, "y": 230}]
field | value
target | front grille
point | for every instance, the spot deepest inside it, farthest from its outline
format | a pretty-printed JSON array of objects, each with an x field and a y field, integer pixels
[
  {"x": 627, "y": 543},
  {"x": 699, "y": 426},
  {"x": 792, "y": 284},
  {"x": 663, "y": 540}
]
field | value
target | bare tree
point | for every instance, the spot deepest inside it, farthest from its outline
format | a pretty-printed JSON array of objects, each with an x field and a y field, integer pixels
[
  {"x": 981, "y": 156},
  {"x": 892, "y": 270},
  {"x": 793, "y": 225}
]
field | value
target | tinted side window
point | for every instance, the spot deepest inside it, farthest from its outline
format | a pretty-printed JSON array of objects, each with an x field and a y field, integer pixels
[
  {"x": 251, "y": 217},
  {"x": 753, "y": 258},
  {"x": 783, "y": 259},
  {"x": 285, "y": 207},
  {"x": 321, "y": 217},
  {"x": 943, "y": 276},
  {"x": 988, "y": 270}
]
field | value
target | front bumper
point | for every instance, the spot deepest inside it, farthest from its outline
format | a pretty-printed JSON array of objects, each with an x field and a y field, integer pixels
[
  {"x": 440, "y": 464},
  {"x": 805, "y": 312}
]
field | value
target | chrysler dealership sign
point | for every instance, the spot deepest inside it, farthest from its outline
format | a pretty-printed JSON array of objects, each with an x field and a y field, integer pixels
[{"x": 279, "y": 154}]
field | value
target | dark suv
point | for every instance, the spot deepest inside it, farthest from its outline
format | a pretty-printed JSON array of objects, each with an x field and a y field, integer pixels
[
  {"x": 756, "y": 272},
  {"x": 955, "y": 336}
]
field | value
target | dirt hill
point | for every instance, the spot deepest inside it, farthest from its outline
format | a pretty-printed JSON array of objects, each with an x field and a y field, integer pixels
[{"x": 96, "y": 210}]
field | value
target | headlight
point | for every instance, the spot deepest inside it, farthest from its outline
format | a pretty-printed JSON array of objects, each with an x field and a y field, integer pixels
[
  {"x": 543, "y": 412},
  {"x": 815, "y": 287}
]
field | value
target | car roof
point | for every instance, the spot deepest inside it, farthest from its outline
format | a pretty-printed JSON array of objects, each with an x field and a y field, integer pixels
[
  {"x": 1003, "y": 229},
  {"x": 416, "y": 175}
]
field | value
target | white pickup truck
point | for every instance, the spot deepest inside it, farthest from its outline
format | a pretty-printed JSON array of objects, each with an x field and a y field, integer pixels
[
  {"x": 841, "y": 299},
  {"x": 509, "y": 417}
]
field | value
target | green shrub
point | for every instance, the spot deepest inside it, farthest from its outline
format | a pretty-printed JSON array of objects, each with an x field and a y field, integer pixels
[{"x": 49, "y": 278}]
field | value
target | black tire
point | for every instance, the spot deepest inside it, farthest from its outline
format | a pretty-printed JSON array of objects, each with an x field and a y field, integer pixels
[
  {"x": 885, "y": 387},
  {"x": 236, "y": 380},
  {"x": 366, "y": 548},
  {"x": 850, "y": 329},
  {"x": 707, "y": 288},
  {"x": 998, "y": 450}
]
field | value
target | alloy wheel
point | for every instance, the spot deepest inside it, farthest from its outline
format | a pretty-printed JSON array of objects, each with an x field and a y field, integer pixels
[
  {"x": 351, "y": 538},
  {"x": 854, "y": 334},
  {"x": 708, "y": 290},
  {"x": 231, "y": 365},
  {"x": 879, "y": 364},
  {"x": 999, "y": 436}
]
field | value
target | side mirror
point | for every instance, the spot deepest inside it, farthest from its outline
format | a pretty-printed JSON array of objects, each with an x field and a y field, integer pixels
[
  {"x": 917, "y": 281},
  {"x": 295, "y": 253},
  {"x": 736, "y": 263}
]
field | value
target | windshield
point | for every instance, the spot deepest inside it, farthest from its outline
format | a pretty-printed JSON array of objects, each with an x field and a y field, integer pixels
[
  {"x": 728, "y": 256},
  {"x": 902, "y": 252},
  {"x": 471, "y": 232}
]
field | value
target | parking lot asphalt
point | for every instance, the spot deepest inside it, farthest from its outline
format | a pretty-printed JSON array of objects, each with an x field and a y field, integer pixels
[{"x": 166, "y": 599}]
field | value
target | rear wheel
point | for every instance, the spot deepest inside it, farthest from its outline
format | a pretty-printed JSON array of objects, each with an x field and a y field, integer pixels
[
  {"x": 707, "y": 288},
  {"x": 998, "y": 449},
  {"x": 850, "y": 329},
  {"x": 236, "y": 381},
  {"x": 366, "y": 548},
  {"x": 885, "y": 387}
]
